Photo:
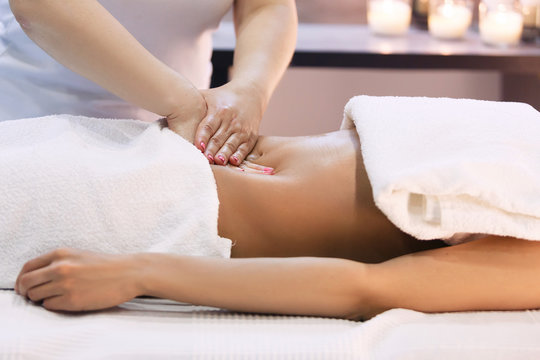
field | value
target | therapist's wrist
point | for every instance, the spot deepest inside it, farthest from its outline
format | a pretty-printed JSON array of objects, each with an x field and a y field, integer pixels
[
  {"x": 187, "y": 111},
  {"x": 252, "y": 90}
]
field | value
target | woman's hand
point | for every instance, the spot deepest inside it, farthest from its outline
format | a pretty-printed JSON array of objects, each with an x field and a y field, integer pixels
[
  {"x": 230, "y": 129},
  {"x": 252, "y": 168},
  {"x": 74, "y": 280}
]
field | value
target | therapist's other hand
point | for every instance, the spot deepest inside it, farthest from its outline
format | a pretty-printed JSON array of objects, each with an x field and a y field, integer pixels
[
  {"x": 73, "y": 280},
  {"x": 230, "y": 129},
  {"x": 186, "y": 116}
]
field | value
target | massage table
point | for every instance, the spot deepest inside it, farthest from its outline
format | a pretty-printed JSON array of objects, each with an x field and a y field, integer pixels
[{"x": 161, "y": 329}]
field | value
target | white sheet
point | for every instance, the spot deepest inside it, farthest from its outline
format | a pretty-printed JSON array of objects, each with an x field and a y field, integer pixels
[{"x": 157, "y": 329}]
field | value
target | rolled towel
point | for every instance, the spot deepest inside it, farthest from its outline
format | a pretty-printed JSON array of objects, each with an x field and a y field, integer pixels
[
  {"x": 117, "y": 186},
  {"x": 441, "y": 168}
]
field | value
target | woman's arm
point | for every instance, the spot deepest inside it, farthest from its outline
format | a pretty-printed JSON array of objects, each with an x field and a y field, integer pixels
[
  {"x": 301, "y": 286},
  {"x": 78, "y": 280},
  {"x": 87, "y": 39},
  {"x": 494, "y": 273},
  {"x": 265, "y": 41}
]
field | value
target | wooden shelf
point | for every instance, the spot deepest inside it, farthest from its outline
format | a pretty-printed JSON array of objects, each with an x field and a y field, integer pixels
[{"x": 354, "y": 46}]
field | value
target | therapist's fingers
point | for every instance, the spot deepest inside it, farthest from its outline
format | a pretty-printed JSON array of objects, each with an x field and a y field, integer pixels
[
  {"x": 215, "y": 144},
  {"x": 209, "y": 126},
  {"x": 242, "y": 151},
  {"x": 224, "y": 155}
]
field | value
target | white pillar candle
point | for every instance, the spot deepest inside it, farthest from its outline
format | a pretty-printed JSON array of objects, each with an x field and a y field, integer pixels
[
  {"x": 449, "y": 21},
  {"x": 389, "y": 17},
  {"x": 501, "y": 27}
]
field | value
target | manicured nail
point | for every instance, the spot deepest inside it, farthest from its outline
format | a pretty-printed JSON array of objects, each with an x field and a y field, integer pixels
[
  {"x": 236, "y": 159},
  {"x": 222, "y": 158},
  {"x": 203, "y": 146},
  {"x": 210, "y": 158},
  {"x": 268, "y": 169}
]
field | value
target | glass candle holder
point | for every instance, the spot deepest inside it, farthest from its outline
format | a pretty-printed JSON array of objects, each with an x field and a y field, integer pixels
[
  {"x": 389, "y": 17},
  {"x": 420, "y": 9},
  {"x": 531, "y": 17},
  {"x": 449, "y": 19},
  {"x": 501, "y": 22}
]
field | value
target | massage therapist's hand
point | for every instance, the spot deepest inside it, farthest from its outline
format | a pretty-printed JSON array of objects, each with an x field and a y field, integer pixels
[
  {"x": 184, "y": 118},
  {"x": 74, "y": 280},
  {"x": 230, "y": 129}
]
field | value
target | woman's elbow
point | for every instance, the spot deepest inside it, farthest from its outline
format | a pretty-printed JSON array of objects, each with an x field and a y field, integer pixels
[
  {"x": 25, "y": 11},
  {"x": 363, "y": 301},
  {"x": 354, "y": 298}
]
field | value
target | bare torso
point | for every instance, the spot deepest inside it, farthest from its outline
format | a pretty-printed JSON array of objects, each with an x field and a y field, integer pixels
[{"x": 318, "y": 203}]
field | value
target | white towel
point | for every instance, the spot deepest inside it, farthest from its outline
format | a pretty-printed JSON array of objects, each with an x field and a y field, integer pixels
[
  {"x": 441, "y": 167},
  {"x": 117, "y": 186}
]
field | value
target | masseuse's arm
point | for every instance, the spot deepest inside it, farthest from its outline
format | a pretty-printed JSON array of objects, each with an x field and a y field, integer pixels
[
  {"x": 86, "y": 38},
  {"x": 265, "y": 41}
]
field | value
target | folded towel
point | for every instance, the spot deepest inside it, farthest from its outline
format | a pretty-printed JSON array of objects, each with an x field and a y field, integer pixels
[
  {"x": 117, "y": 186},
  {"x": 442, "y": 167}
]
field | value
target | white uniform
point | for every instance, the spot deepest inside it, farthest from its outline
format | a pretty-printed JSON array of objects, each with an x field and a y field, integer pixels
[{"x": 178, "y": 32}]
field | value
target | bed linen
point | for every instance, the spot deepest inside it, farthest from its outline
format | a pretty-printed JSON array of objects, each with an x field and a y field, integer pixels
[{"x": 159, "y": 329}]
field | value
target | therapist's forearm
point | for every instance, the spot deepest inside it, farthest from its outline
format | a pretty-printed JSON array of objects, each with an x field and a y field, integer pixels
[
  {"x": 303, "y": 286},
  {"x": 266, "y": 38},
  {"x": 86, "y": 38}
]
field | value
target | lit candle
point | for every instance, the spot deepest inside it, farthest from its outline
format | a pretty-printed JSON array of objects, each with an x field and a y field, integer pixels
[
  {"x": 501, "y": 27},
  {"x": 449, "y": 20},
  {"x": 389, "y": 17}
]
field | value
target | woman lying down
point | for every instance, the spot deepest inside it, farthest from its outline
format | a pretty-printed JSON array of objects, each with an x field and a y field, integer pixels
[{"x": 306, "y": 235}]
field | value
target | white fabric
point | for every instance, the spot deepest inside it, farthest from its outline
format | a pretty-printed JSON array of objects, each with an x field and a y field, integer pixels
[
  {"x": 117, "y": 186},
  {"x": 154, "y": 329},
  {"x": 178, "y": 32},
  {"x": 441, "y": 167}
]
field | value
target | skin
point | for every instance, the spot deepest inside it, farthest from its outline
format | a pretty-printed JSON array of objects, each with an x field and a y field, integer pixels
[
  {"x": 75, "y": 31},
  {"x": 265, "y": 41},
  {"x": 357, "y": 263},
  {"x": 317, "y": 203}
]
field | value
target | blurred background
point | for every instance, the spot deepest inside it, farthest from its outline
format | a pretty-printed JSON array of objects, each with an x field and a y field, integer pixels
[{"x": 311, "y": 100}]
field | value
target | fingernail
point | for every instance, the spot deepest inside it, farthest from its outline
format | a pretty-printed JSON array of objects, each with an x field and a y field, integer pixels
[
  {"x": 236, "y": 160},
  {"x": 268, "y": 169},
  {"x": 222, "y": 158},
  {"x": 203, "y": 146},
  {"x": 210, "y": 158}
]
